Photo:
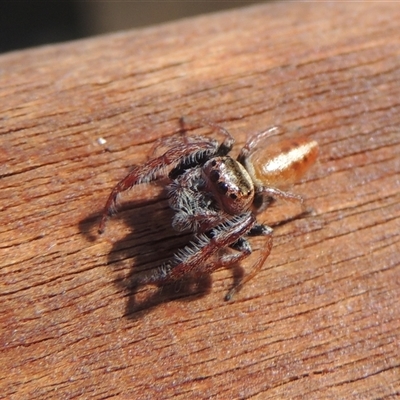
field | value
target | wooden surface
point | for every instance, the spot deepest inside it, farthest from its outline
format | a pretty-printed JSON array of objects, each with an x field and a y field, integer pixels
[{"x": 321, "y": 320}]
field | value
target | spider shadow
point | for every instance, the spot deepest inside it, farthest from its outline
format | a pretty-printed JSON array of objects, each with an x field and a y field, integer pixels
[{"x": 150, "y": 242}]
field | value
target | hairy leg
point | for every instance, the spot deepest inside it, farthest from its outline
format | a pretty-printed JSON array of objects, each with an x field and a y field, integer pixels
[
  {"x": 257, "y": 230},
  {"x": 153, "y": 169},
  {"x": 195, "y": 257},
  {"x": 255, "y": 141}
]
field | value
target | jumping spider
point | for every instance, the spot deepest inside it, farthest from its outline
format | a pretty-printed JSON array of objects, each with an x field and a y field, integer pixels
[{"x": 216, "y": 198}]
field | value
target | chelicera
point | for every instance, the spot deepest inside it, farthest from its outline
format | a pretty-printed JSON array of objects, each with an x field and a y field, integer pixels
[{"x": 217, "y": 198}]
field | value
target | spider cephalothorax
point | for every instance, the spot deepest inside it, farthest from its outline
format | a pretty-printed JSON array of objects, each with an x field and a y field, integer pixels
[{"x": 216, "y": 197}]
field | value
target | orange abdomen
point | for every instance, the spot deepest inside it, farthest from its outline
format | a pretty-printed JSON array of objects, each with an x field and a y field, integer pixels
[{"x": 282, "y": 164}]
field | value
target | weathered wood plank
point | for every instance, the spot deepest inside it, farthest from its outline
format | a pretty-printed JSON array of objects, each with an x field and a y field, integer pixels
[{"x": 321, "y": 320}]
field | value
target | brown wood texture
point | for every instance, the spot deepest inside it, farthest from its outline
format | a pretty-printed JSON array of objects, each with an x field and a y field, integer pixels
[{"x": 321, "y": 320}]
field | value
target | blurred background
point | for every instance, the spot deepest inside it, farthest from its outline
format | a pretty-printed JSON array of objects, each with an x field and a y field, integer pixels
[{"x": 34, "y": 22}]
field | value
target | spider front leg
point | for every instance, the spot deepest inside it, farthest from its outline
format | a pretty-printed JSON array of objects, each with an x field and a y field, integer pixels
[
  {"x": 195, "y": 257},
  {"x": 257, "y": 230},
  {"x": 194, "y": 209},
  {"x": 182, "y": 154},
  {"x": 265, "y": 196}
]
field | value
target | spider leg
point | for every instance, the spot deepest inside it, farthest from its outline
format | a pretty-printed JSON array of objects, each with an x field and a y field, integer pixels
[
  {"x": 265, "y": 192},
  {"x": 200, "y": 221},
  {"x": 194, "y": 256},
  {"x": 241, "y": 245},
  {"x": 277, "y": 193},
  {"x": 223, "y": 149},
  {"x": 255, "y": 141},
  {"x": 153, "y": 169},
  {"x": 162, "y": 144},
  {"x": 256, "y": 230},
  {"x": 194, "y": 210},
  {"x": 228, "y": 142}
]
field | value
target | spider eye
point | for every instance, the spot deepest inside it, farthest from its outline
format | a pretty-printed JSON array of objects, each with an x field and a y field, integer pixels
[
  {"x": 229, "y": 184},
  {"x": 223, "y": 187},
  {"x": 214, "y": 176}
]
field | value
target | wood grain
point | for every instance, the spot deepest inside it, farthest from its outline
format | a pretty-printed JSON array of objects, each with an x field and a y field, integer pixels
[{"x": 321, "y": 320}]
